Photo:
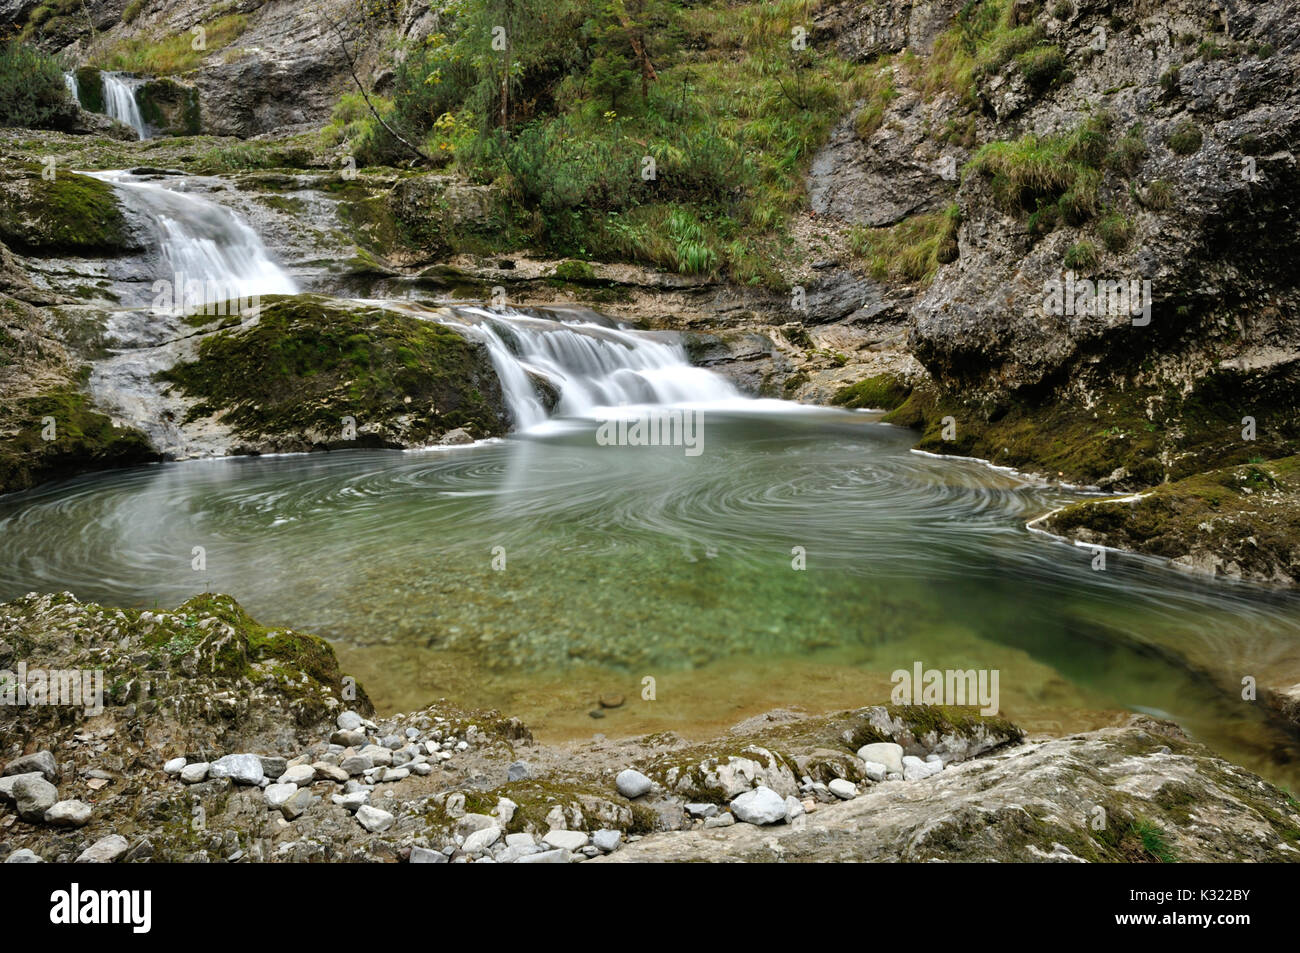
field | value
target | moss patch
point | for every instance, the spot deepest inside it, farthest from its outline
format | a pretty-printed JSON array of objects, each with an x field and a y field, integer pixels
[
  {"x": 884, "y": 392},
  {"x": 69, "y": 214},
  {"x": 308, "y": 363}
]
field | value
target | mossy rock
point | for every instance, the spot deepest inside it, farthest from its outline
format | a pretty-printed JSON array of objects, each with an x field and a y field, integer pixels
[
  {"x": 169, "y": 108},
  {"x": 67, "y": 214},
  {"x": 882, "y": 392},
  {"x": 90, "y": 88},
  {"x": 309, "y": 362},
  {"x": 57, "y": 434}
]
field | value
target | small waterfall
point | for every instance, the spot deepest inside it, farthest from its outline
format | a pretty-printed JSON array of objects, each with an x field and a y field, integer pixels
[
  {"x": 70, "y": 80},
  {"x": 203, "y": 241},
  {"x": 119, "y": 101},
  {"x": 594, "y": 367}
]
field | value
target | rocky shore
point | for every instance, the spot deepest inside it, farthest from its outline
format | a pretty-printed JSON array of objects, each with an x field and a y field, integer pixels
[{"x": 220, "y": 740}]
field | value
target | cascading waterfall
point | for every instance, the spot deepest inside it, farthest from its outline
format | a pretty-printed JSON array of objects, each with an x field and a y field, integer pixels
[
  {"x": 202, "y": 241},
  {"x": 70, "y": 80},
  {"x": 595, "y": 368},
  {"x": 120, "y": 104}
]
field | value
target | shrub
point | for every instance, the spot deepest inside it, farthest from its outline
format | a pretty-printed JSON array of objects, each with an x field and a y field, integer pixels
[
  {"x": 911, "y": 250},
  {"x": 1186, "y": 138},
  {"x": 1081, "y": 255},
  {"x": 1159, "y": 194},
  {"x": 1042, "y": 66},
  {"x": 1115, "y": 231},
  {"x": 33, "y": 93}
]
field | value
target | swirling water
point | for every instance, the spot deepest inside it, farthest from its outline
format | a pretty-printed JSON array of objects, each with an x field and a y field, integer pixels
[{"x": 622, "y": 563}]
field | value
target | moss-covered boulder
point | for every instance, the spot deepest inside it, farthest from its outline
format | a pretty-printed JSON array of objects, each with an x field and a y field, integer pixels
[
  {"x": 57, "y": 434},
  {"x": 57, "y": 212},
  {"x": 1240, "y": 522},
  {"x": 90, "y": 88},
  {"x": 169, "y": 108},
  {"x": 312, "y": 372}
]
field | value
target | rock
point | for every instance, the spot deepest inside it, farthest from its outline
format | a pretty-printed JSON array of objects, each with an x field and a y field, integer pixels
[
  {"x": 40, "y": 761},
  {"x": 611, "y": 701},
  {"x": 240, "y": 768},
  {"x": 373, "y": 819},
  {"x": 7, "y": 784},
  {"x": 481, "y": 840},
  {"x": 273, "y": 766},
  {"x": 68, "y": 814},
  {"x": 565, "y": 840},
  {"x": 632, "y": 784},
  {"x": 104, "y": 851},
  {"x": 297, "y": 803},
  {"x": 546, "y": 857},
  {"x": 23, "y": 856},
  {"x": 299, "y": 775},
  {"x": 607, "y": 840},
  {"x": 457, "y": 437},
  {"x": 277, "y": 794},
  {"x": 759, "y": 806},
  {"x": 329, "y": 772},
  {"x": 722, "y": 820},
  {"x": 883, "y": 752},
  {"x": 348, "y": 721},
  {"x": 352, "y": 801},
  {"x": 844, "y": 790},
  {"x": 874, "y": 770},
  {"x": 520, "y": 840},
  {"x": 394, "y": 774},
  {"x": 174, "y": 767},
  {"x": 379, "y": 756},
  {"x": 702, "y": 809},
  {"x": 723, "y": 778},
  {"x": 194, "y": 773},
  {"x": 914, "y": 769},
  {"x": 348, "y": 739},
  {"x": 470, "y": 823},
  {"x": 505, "y": 811},
  {"x": 422, "y": 855},
  {"x": 793, "y": 808},
  {"x": 33, "y": 796},
  {"x": 356, "y": 764},
  {"x": 519, "y": 771}
]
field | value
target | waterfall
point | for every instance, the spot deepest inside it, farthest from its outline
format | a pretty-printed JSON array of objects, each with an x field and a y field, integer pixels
[
  {"x": 594, "y": 367},
  {"x": 202, "y": 241},
  {"x": 119, "y": 101},
  {"x": 70, "y": 80}
]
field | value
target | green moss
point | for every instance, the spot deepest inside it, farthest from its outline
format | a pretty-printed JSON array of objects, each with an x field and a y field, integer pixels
[
  {"x": 71, "y": 214},
  {"x": 935, "y": 720},
  {"x": 82, "y": 440},
  {"x": 884, "y": 391},
  {"x": 307, "y": 363},
  {"x": 1185, "y": 139},
  {"x": 912, "y": 250},
  {"x": 169, "y": 107},
  {"x": 578, "y": 272}
]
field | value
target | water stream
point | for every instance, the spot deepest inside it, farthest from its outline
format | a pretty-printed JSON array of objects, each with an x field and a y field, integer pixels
[{"x": 801, "y": 558}]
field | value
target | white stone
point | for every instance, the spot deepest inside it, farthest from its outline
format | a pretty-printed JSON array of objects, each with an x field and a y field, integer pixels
[
  {"x": 104, "y": 851},
  {"x": 174, "y": 766},
  {"x": 68, "y": 814},
  {"x": 566, "y": 840},
  {"x": 240, "y": 768},
  {"x": 844, "y": 790},
  {"x": 277, "y": 794},
  {"x": 194, "y": 773},
  {"x": 759, "y": 806},
  {"x": 520, "y": 840},
  {"x": 373, "y": 819},
  {"x": 607, "y": 839},
  {"x": 481, "y": 840},
  {"x": 632, "y": 784},
  {"x": 793, "y": 808},
  {"x": 546, "y": 857},
  {"x": 874, "y": 770},
  {"x": 883, "y": 752},
  {"x": 914, "y": 769},
  {"x": 348, "y": 721},
  {"x": 299, "y": 774}
]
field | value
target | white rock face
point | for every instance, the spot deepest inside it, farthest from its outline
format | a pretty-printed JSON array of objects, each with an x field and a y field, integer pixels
[
  {"x": 884, "y": 752},
  {"x": 759, "y": 806}
]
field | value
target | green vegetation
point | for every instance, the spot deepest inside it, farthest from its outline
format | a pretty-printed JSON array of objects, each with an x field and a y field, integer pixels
[
  {"x": 33, "y": 94},
  {"x": 1186, "y": 138},
  {"x": 70, "y": 213},
  {"x": 1081, "y": 256},
  {"x": 913, "y": 249},
  {"x": 883, "y": 392},
  {"x": 1116, "y": 231},
  {"x": 307, "y": 364},
  {"x": 984, "y": 37},
  {"x": 1063, "y": 170},
  {"x": 175, "y": 53},
  {"x": 879, "y": 91}
]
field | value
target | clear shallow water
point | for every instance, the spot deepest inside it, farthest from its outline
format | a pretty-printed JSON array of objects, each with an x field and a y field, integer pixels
[{"x": 626, "y": 562}]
